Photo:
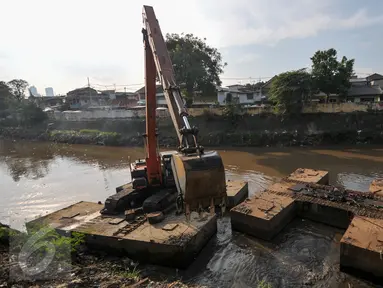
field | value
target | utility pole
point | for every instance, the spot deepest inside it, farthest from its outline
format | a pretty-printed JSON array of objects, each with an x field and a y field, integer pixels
[{"x": 90, "y": 94}]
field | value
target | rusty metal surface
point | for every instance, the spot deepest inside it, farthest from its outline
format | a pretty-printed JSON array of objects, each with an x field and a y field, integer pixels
[
  {"x": 365, "y": 233},
  {"x": 200, "y": 179},
  {"x": 356, "y": 202},
  {"x": 376, "y": 187},
  {"x": 309, "y": 175},
  {"x": 264, "y": 206}
]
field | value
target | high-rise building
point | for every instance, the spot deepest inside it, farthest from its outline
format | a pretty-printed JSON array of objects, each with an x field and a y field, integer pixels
[
  {"x": 49, "y": 92},
  {"x": 33, "y": 91}
]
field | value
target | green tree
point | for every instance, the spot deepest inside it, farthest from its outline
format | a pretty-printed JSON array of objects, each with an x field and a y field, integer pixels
[
  {"x": 330, "y": 75},
  {"x": 254, "y": 87},
  {"x": 197, "y": 66},
  {"x": 5, "y": 95},
  {"x": 18, "y": 87},
  {"x": 30, "y": 113},
  {"x": 289, "y": 90}
]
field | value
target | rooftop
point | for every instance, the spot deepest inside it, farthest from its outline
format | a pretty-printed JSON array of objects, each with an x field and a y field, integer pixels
[
  {"x": 159, "y": 89},
  {"x": 365, "y": 90}
]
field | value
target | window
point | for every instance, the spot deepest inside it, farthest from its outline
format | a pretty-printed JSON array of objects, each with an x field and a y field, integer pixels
[
  {"x": 250, "y": 96},
  {"x": 367, "y": 99},
  {"x": 229, "y": 98}
]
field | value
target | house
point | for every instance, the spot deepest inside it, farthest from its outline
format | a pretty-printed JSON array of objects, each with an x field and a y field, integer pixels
[
  {"x": 87, "y": 98},
  {"x": 375, "y": 79},
  {"x": 240, "y": 94},
  {"x": 82, "y": 98},
  {"x": 48, "y": 102},
  {"x": 161, "y": 101},
  {"x": 362, "y": 90},
  {"x": 367, "y": 93},
  {"x": 367, "y": 89},
  {"x": 125, "y": 99}
]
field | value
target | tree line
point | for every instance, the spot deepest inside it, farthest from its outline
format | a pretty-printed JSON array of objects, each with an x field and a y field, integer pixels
[
  {"x": 15, "y": 107},
  {"x": 198, "y": 67},
  {"x": 290, "y": 90}
]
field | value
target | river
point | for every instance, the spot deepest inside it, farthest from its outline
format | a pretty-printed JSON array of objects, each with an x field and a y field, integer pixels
[{"x": 39, "y": 178}]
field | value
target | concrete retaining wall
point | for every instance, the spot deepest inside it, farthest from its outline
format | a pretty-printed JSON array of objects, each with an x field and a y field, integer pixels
[
  {"x": 101, "y": 114},
  {"x": 126, "y": 114}
]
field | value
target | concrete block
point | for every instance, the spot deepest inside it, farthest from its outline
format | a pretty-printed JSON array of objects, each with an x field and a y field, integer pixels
[
  {"x": 173, "y": 242},
  {"x": 376, "y": 187},
  {"x": 263, "y": 216},
  {"x": 237, "y": 192},
  {"x": 361, "y": 248},
  {"x": 325, "y": 214},
  {"x": 310, "y": 176}
]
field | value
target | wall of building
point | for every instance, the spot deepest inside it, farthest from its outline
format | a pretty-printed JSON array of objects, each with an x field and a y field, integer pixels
[
  {"x": 335, "y": 108},
  {"x": 377, "y": 82},
  {"x": 242, "y": 97},
  {"x": 249, "y": 130},
  {"x": 127, "y": 114},
  {"x": 102, "y": 114}
]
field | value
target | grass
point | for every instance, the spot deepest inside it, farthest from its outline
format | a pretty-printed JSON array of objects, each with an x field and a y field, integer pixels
[
  {"x": 84, "y": 132},
  {"x": 48, "y": 240},
  {"x": 264, "y": 284},
  {"x": 3, "y": 233},
  {"x": 131, "y": 274}
]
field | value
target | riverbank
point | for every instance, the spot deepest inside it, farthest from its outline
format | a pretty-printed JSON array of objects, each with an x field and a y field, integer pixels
[
  {"x": 86, "y": 270},
  {"x": 245, "y": 131}
]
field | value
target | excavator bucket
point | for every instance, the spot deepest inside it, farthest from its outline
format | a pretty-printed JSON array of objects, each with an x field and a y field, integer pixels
[{"x": 200, "y": 179}]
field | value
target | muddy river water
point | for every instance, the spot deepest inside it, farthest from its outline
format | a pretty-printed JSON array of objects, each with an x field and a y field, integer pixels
[{"x": 39, "y": 178}]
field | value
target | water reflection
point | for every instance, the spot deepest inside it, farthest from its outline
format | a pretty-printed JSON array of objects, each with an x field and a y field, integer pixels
[
  {"x": 22, "y": 162},
  {"x": 32, "y": 160}
]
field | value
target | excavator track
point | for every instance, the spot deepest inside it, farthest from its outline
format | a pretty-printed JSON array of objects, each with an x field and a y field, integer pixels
[{"x": 160, "y": 201}]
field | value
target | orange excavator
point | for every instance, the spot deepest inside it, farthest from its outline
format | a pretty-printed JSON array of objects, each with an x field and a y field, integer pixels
[{"x": 189, "y": 179}]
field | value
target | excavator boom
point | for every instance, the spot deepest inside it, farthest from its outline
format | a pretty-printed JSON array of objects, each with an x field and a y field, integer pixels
[
  {"x": 165, "y": 70},
  {"x": 199, "y": 176}
]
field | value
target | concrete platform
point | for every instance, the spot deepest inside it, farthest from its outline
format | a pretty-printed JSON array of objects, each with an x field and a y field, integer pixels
[
  {"x": 376, "y": 187},
  {"x": 263, "y": 216},
  {"x": 361, "y": 248},
  {"x": 172, "y": 242},
  {"x": 310, "y": 176},
  {"x": 361, "y": 213},
  {"x": 237, "y": 192}
]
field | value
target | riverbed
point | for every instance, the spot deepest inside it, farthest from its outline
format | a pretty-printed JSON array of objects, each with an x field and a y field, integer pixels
[{"x": 39, "y": 178}]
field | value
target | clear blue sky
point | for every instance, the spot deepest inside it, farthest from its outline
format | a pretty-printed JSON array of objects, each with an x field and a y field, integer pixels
[{"x": 61, "y": 43}]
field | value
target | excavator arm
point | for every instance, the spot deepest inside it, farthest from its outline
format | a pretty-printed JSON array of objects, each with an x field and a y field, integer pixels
[
  {"x": 153, "y": 37},
  {"x": 199, "y": 176}
]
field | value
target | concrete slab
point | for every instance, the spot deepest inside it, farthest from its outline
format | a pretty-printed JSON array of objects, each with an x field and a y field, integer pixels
[
  {"x": 362, "y": 248},
  {"x": 173, "y": 242},
  {"x": 237, "y": 191},
  {"x": 376, "y": 187},
  {"x": 310, "y": 176},
  {"x": 263, "y": 216},
  {"x": 71, "y": 216}
]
